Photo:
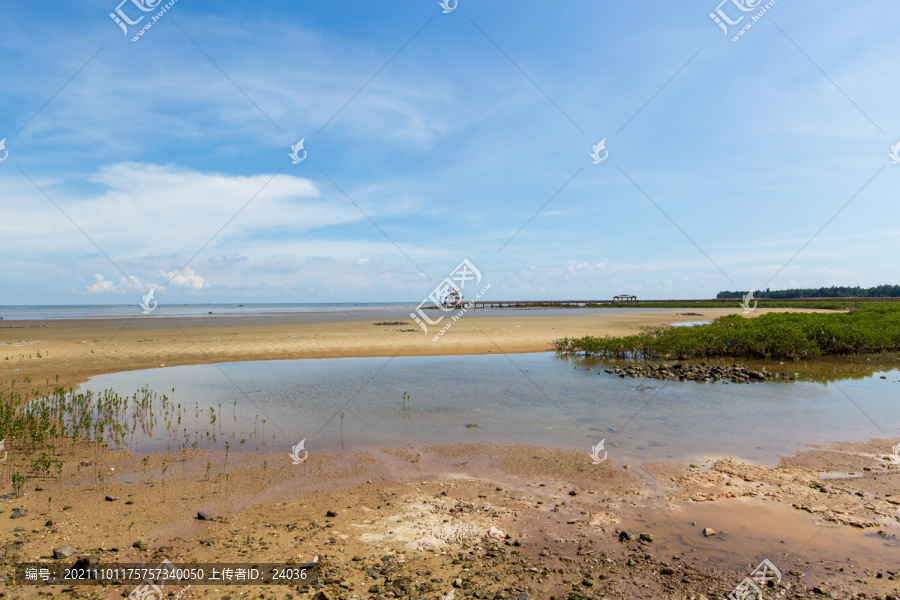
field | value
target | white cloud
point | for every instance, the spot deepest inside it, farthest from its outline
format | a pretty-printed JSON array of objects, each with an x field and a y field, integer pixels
[
  {"x": 185, "y": 278},
  {"x": 131, "y": 283},
  {"x": 101, "y": 285},
  {"x": 231, "y": 257}
]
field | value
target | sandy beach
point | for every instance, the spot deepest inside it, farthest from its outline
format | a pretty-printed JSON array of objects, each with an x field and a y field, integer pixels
[
  {"x": 76, "y": 350},
  {"x": 490, "y": 521},
  {"x": 486, "y": 521}
]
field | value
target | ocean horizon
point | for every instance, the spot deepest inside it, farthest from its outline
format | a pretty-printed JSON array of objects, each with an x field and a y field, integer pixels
[{"x": 100, "y": 311}]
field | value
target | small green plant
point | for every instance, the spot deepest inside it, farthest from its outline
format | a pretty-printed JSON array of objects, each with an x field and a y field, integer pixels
[
  {"x": 18, "y": 482},
  {"x": 42, "y": 464},
  {"x": 227, "y": 448}
]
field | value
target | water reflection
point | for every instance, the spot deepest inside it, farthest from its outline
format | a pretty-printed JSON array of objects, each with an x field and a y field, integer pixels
[{"x": 537, "y": 399}]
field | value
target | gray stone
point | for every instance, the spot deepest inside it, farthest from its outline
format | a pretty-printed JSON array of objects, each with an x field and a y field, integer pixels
[
  {"x": 627, "y": 535},
  {"x": 64, "y": 551}
]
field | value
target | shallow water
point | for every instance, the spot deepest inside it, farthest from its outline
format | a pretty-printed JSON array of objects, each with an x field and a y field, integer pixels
[
  {"x": 760, "y": 529},
  {"x": 359, "y": 310},
  {"x": 521, "y": 398}
]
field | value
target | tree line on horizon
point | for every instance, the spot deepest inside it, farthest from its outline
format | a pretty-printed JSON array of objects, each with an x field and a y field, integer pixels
[{"x": 881, "y": 291}]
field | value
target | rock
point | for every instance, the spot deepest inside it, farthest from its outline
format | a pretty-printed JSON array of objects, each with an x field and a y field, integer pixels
[
  {"x": 627, "y": 535},
  {"x": 709, "y": 532},
  {"x": 331, "y": 514},
  {"x": 667, "y": 571},
  {"x": 86, "y": 562},
  {"x": 820, "y": 590},
  {"x": 141, "y": 544},
  {"x": 111, "y": 498},
  {"x": 64, "y": 551},
  {"x": 49, "y": 523},
  {"x": 18, "y": 513},
  {"x": 202, "y": 516},
  {"x": 323, "y": 595},
  {"x": 19, "y": 528},
  {"x": 646, "y": 537}
]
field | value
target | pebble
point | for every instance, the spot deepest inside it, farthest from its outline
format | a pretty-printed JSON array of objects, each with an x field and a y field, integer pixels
[
  {"x": 64, "y": 551},
  {"x": 709, "y": 532}
]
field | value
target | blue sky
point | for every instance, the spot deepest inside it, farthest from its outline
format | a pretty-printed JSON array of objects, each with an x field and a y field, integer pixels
[{"x": 435, "y": 137}]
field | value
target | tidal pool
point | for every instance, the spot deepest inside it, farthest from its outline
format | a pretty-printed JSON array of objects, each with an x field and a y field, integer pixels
[{"x": 540, "y": 399}]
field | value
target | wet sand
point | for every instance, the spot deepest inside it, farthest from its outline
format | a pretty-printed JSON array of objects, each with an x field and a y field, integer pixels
[
  {"x": 429, "y": 512},
  {"x": 76, "y": 350},
  {"x": 415, "y": 522}
]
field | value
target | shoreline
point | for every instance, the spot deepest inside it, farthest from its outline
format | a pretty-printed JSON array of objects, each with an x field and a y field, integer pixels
[
  {"x": 415, "y": 521},
  {"x": 78, "y": 349}
]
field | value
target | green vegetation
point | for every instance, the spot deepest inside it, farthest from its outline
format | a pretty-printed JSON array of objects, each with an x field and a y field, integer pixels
[
  {"x": 872, "y": 328},
  {"x": 826, "y": 305},
  {"x": 727, "y": 303},
  {"x": 881, "y": 291}
]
